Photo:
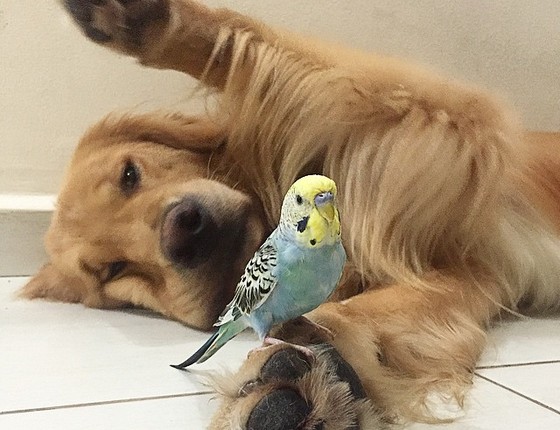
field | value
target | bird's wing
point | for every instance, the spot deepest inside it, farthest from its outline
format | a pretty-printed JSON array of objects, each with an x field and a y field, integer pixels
[{"x": 256, "y": 284}]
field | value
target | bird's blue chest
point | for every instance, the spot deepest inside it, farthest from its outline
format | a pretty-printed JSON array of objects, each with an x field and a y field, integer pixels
[{"x": 306, "y": 278}]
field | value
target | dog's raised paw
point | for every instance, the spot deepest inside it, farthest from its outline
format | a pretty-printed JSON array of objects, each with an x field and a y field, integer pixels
[{"x": 123, "y": 23}]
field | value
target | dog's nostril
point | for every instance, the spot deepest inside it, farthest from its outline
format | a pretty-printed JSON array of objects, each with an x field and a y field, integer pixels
[
  {"x": 190, "y": 220},
  {"x": 189, "y": 233}
]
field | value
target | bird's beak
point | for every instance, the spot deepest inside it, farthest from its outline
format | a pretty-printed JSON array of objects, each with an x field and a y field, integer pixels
[{"x": 325, "y": 205}]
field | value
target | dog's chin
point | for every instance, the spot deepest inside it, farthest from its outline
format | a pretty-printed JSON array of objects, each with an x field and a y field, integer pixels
[{"x": 206, "y": 292}]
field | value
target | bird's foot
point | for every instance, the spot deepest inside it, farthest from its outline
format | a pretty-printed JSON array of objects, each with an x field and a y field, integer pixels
[
  {"x": 271, "y": 341},
  {"x": 274, "y": 341}
]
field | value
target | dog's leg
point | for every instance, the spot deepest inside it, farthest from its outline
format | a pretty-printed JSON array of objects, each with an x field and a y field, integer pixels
[
  {"x": 406, "y": 342},
  {"x": 395, "y": 346}
]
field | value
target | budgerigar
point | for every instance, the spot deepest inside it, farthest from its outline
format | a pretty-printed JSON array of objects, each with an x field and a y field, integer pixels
[{"x": 294, "y": 271}]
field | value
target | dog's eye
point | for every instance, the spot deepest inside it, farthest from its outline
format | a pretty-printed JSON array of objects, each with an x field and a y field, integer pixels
[
  {"x": 130, "y": 178},
  {"x": 114, "y": 269}
]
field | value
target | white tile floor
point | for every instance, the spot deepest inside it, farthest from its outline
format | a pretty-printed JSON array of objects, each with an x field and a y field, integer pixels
[{"x": 67, "y": 367}]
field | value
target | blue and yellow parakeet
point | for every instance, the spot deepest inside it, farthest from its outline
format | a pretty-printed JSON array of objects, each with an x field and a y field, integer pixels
[{"x": 294, "y": 271}]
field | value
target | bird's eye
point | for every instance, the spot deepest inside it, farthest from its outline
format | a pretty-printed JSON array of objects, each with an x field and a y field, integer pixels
[
  {"x": 130, "y": 178},
  {"x": 114, "y": 269},
  {"x": 299, "y": 199}
]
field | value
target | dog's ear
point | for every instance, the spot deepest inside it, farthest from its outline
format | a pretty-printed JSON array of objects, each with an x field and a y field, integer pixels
[
  {"x": 51, "y": 284},
  {"x": 195, "y": 133}
]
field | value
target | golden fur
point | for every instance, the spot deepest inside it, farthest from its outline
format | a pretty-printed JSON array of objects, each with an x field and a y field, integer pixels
[{"x": 450, "y": 213}]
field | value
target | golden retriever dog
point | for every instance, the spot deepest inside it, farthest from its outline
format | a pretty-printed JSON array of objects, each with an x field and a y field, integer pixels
[{"x": 450, "y": 212}]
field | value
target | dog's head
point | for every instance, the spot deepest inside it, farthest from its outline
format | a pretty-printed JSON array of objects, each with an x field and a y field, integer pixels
[{"x": 141, "y": 222}]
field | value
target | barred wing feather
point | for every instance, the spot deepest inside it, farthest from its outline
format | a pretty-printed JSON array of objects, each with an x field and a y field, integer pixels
[{"x": 255, "y": 285}]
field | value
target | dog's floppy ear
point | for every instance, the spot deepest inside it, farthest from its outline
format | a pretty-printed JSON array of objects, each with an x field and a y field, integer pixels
[
  {"x": 51, "y": 284},
  {"x": 196, "y": 133}
]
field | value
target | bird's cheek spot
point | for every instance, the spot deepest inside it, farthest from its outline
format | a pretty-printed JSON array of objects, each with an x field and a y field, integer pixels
[
  {"x": 313, "y": 242},
  {"x": 302, "y": 224}
]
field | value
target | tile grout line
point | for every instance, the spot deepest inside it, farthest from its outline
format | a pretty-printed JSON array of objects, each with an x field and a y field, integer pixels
[
  {"x": 518, "y": 393},
  {"x": 104, "y": 402},
  {"x": 532, "y": 363}
]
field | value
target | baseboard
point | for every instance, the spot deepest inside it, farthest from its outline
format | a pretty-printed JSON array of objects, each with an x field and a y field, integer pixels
[{"x": 24, "y": 219}]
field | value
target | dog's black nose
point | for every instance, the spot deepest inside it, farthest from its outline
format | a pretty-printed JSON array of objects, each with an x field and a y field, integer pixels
[{"x": 189, "y": 233}]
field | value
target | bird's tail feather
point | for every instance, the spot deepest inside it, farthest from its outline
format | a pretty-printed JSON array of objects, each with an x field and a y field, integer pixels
[{"x": 224, "y": 334}]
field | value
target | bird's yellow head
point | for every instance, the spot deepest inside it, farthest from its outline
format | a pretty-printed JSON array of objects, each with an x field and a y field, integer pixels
[{"x": 309, "y": 212}]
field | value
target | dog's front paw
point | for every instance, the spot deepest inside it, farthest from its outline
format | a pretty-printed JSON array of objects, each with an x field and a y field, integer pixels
[
  {"x": 280, "y": 388},
  {"x": 124, "y": 24}
]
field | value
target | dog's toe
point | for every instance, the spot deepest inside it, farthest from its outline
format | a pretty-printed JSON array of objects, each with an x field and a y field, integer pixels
[{"x": 287, "y": 364}]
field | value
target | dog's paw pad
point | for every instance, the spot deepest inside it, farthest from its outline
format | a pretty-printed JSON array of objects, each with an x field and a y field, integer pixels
[
  {"x": 288, "y": 364},
  {"x": 346, "y": 373},
  {"x": 96, "y": 35},
  {"x": 283, "y": 409}
]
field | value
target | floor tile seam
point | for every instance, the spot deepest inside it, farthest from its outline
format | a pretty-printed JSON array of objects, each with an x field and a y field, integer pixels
[
  {"x": 520, "y": 364},
  {"x": 105, "y": 403},
  {"x": 519, "y": 394}
]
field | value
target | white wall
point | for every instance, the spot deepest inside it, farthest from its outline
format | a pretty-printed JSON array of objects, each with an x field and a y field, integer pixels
[{"x": 54, "y": 83}]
